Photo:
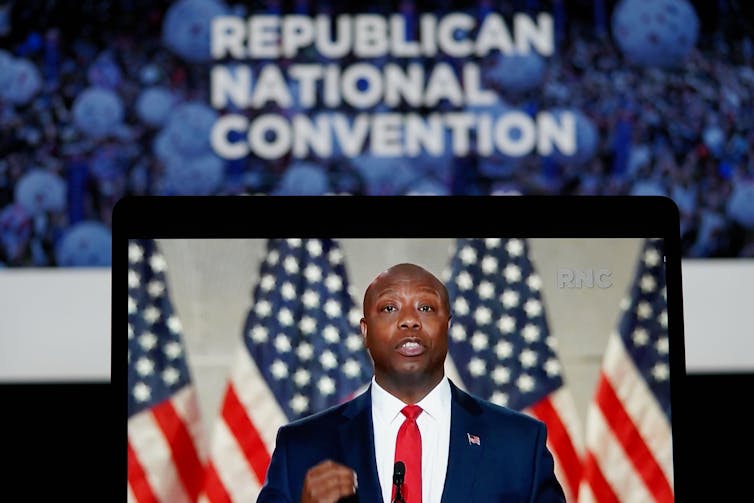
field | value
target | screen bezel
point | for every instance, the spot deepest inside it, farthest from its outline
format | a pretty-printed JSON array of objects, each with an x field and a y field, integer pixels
[{"x": 261, "y": 216}]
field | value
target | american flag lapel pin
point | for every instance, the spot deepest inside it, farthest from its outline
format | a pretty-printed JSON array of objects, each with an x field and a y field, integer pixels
[{"x": 473, "y": 439}]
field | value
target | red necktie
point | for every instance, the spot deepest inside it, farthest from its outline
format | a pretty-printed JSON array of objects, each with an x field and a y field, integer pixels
[{"x": 408, "y": 448}]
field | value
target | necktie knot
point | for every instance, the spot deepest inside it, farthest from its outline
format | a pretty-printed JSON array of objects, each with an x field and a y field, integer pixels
[{"x": 411, "y": 411}]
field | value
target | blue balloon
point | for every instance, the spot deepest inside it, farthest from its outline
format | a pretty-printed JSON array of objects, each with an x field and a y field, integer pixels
[{"x": 659, "y": 33}]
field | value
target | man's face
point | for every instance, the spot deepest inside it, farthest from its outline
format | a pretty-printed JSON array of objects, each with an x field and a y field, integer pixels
[{"x": 405, "y": 326}]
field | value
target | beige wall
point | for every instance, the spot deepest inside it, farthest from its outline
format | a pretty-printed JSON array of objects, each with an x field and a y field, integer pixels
[{"x": 211, "y": 284}]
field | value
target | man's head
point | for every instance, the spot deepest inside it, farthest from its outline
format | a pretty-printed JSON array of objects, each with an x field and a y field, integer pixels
[{"x": 405, "y": 328}]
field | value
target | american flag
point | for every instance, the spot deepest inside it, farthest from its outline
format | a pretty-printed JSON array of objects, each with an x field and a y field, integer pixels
[
  {"x": 301, "y": 352},
  {"x": 501, "y": 346},
  {"x": 628, "y": 441},
  {"x": 164, "y": 428}
]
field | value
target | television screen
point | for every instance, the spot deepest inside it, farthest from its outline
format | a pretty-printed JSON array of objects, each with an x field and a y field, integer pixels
[{"x": 237, "y": 325}]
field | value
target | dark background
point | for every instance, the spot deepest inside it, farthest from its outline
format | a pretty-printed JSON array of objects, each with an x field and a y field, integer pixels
[{"x": 65, "y": 443}]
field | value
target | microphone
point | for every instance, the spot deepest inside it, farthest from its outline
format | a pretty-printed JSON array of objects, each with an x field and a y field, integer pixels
[{"x": 399, "y": 471}]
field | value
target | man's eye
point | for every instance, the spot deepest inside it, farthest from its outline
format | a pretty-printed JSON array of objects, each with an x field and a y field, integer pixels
[
  {"x": 389, "y": 309},
  {"x": 425, "y": 308}
]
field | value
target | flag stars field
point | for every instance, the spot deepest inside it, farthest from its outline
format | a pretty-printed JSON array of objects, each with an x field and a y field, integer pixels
[
  {"x": 155, "y": 288},
  {"x": 483, "y": 315},
  {"x": 503, "y": 349},
  {"x": 302, "y": 377},
  {"x": 501, "y": 375},
  {"x": 307, "y": 325},
  {"x": 489, "y": 265},
  {"x": 332, "y": 309},
  {"x": 170, "y": 376},
  {"x": 173, "y": 350},
  {"x": 263, "y": 309},
  {"x": 506, "y": 324},
  {"x": 331, "y": 335},
  {"x": 486, "y": 290},
  {"x": 464, "y": 281},
  {"x": 479, "y": 341},
  {"x": 258, "y": 334},
  {"x": 288, "y": 292},
  {"x": 461, "y": 307},
  {"x": 313, "y": 273},
  {"x": 310, "y": 299},
  {"x": 512, "y": 273},
  {"x": 509, "y": 298},
  {"x": 457, "y": 333},
  {"x": 514, "y": 247}
]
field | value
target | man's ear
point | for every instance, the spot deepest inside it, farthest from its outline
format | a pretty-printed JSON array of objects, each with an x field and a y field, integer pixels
[{"x": 363, "y": 325}]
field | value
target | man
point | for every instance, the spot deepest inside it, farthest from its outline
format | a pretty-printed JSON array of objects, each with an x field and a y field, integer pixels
[{"x": 471, "y": 450}]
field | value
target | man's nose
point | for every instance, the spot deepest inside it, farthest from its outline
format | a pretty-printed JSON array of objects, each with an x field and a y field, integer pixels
[{"x": 410, "y": 321}]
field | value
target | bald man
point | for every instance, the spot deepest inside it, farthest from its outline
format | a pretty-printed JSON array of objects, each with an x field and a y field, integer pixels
[{"x": 471, "y": 450}]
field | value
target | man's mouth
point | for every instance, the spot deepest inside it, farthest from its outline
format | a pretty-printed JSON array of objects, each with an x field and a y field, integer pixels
[{"x": 410, "y": 347}]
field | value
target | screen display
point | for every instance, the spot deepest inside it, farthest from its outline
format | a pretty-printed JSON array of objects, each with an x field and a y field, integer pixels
[
  {"x": 229, "y": 339},
  {"x": 209, "y": 97}
]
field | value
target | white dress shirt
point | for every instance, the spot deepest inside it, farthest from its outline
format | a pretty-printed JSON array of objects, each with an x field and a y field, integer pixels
[{"x": 434, "y": 426}]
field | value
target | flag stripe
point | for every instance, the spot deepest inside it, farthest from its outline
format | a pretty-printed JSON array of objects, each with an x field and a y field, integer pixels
[
  {"x": 182, "y": 448},
  {"x": 246, "y": 434},
  {"x": 633, "y": 443},
  {"x": 137, "y": 479},
  {"x": 614, "y": 465},
  {"x": 640, "y": 404},
  {"x": 628, "y": 438},
  {"x": 569, "y": 460},
  {"x": 231, "y": 466},
  {"x": 164, "y": 427},
  {"x": 155, "y": 456},
  {"x": 256, "y": 398},
  {"x": 599, "y": 485},
  {"x": 213, "y": 486}
]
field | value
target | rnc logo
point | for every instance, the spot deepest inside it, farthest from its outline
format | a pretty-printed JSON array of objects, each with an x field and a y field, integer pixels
[{"x": 584, "y": 278}]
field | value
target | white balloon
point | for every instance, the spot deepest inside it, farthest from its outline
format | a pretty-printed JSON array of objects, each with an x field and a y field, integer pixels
[
  {"x": 15, "y": 229},
  {"x": 385, "y": 176},
  {"x": 188, "y": 128},
  {"x": 39, "y": 191},
  {"x": 85, "y": 244},
  {"x": 516, "y": 73},
  {"x": 657, "y": 33},
  {"x": 587, "y": 139},
  {"x": 6, "y": 60},
  {"x": 303, "y": 179},
  {"x": 22, "y": 83},
  {"x": 154, "y": 104},
  {"x": 186, "y": 28},
  {"x": 194, "y": 176},
  {"x": 105, "y": 72},
  {"x": 98, "y": 112},
  {"x": 740, "y": 205}
]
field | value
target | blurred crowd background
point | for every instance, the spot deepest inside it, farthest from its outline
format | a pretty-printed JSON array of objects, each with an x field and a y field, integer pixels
[{"x": 107, "y": 98}]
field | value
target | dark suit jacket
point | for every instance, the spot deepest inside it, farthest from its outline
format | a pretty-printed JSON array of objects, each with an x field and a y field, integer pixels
[{"x": 511, "y": 463}]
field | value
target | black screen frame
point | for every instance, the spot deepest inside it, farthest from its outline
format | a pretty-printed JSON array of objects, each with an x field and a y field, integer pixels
[{"x": 262, "y": 216}]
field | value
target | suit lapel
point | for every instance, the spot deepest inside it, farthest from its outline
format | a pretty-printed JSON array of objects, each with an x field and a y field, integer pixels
[
  {"x": 357, "y": 446},
  {"x": 464, "y": 455}
]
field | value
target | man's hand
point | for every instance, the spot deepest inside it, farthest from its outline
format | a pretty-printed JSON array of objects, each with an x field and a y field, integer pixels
[{"x": 327, "y": 482}]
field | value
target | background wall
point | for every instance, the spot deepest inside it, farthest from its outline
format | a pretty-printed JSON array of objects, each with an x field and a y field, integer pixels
[{"x": 55, "y": 323}]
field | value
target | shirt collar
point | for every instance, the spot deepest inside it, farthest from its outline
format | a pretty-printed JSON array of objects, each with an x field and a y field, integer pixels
[{"x": 436, "y": 404}]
